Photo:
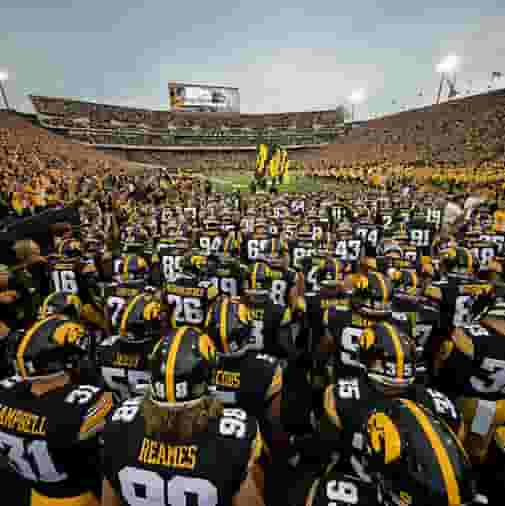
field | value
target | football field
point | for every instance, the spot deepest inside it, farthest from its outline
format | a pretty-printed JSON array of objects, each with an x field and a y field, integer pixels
[{"x": 227, "y": 183}]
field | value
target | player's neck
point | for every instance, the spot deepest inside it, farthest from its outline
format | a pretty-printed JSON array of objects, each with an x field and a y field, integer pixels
[{"x": 42, "y": 387}]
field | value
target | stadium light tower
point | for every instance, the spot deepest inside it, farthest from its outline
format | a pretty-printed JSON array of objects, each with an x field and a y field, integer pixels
[
  {"x": 357, "y": 97},
  {"x": 4, "y": 76},
  {"x": 447, "y": 66}
]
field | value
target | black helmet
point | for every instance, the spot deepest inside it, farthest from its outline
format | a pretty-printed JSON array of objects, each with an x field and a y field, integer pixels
[
  {"x": 141, "y": 319},
  {"x": 372, "y": 295},
  {"x": 63, "y": 303},
  {"x": 229, "y": 325},
  {"x": 388, "y": 356},
  {"x": 416, "y": 458},
  {"x": 50, "y": 346},
  {"x": 182, "y": 363}
]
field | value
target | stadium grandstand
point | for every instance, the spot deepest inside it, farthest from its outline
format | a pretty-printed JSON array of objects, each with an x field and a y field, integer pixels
[
  {"x": 387, "y": 244},
  {"x": 459, "y": 131}
]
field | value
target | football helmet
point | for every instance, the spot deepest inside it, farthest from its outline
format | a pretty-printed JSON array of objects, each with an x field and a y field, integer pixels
[
  {"x": 181, "y": 364},
  {"x": 372, "y": 295},
  {"x": 415, "y": 458},
  {"x": 141, "y": 319},
  {"x": 458, "y": 261},
  {"x": 404, "y": 280},
  {"x": 260, "y": 277},
  {"x": 330, "y": 271},
  {"x": 62, "y": 303},
  {"x": 133, "y": 268},
  {"x": 389, "y": 357},
  {"x": 275, "y": 253},
  {"x": 50, "y": 346},
  {"x": 229, "y": 325},
  {"x": 70, "y": 248}
]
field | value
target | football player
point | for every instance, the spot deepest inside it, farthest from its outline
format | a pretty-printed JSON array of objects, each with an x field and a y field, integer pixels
[
  {"x": 181, "y": 441},
  {"x": 49, "y": 421},
  {"x": 245, "y": 378},
  {"x": 123, "y": 358}
]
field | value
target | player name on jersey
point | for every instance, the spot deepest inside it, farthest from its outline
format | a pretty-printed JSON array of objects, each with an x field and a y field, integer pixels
[
  {"x": 227, "y": 379},
  {"x": 126, "y": 360},
  {"x": 22, "y": 421},
  {"x": 184, "y": 291},
  {"x": 155, "y": 452}
]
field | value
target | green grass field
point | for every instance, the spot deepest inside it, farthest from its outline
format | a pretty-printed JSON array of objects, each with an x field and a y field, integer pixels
[{"x": 241, "y": 181}]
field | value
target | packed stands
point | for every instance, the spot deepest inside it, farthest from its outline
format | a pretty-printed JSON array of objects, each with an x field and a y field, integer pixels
[
  {"x": 26, "y": 149},
  {"x": 106, "y": 125},
  {"x": 467, "y": 131}
]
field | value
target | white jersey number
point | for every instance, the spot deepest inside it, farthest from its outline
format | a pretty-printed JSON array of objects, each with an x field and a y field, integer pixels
[
  {"x": 141, "y": 487},
  {"x": 30, "y": 459}
]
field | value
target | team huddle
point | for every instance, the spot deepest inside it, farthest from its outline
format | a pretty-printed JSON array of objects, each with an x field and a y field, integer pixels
[{"x": 313, "y": 349}]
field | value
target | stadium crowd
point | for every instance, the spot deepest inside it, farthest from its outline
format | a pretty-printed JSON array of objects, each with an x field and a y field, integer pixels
[{"x": 164, "y": 344}]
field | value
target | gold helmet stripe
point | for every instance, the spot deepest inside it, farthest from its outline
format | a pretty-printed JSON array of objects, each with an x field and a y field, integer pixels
[
  {"x": 46, "y": 303},
  {"x": 126, "y": 314},
  {"x": 125, "y": 265},
  {"x": 20, "y": 362},
  {"x": 383, "y": 285},
  {"x": 223, "y": 325},
  {"x": 442, "y": 457},
  {"x": 400, "y": 366},
  {"x": 470, "y": 260},
  {"x": 170, "y": 365}
]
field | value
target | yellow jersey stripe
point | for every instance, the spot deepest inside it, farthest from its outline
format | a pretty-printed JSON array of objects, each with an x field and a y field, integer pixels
[{"x": 103, "y": 408}]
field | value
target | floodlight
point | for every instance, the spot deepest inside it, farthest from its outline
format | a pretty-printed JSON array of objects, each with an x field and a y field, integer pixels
[
  {"x": 357, "y": 96},
  {"x": 448, "y": 64},
  {"x": 4, "y": 75}
]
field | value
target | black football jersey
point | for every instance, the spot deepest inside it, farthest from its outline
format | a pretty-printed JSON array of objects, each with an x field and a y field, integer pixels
[
  {"x": 211, "y": 242},
  {"x": 207, "y": 468},
  {"x": 474, "y": 366},
  {"x": 248, "y": 381},
  {"x": 64, "y": 274},
  {"x": 116, "y": 297},
  {"x": 299, "y": 250},
  {"x": 271, "y": 328},
  {"x": 252, "y": 246},
  {"x": 335, "y": 487},
  {"x": 347, "y": 404},
  {"x": 371, "y": 235},
  {"x": 229, "y": 278},
  {"x": 459, "y": 295},
  {"x": 190, "y": 300},
  {"x": 52, "y": 440},
  {"x": 124, "y": 366},
  {"x": 170, "y": 260},
  {"x": 283, "y": 280}
]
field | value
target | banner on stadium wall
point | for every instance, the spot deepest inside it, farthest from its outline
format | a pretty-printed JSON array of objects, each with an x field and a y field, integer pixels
[{"x": 203, "y": 98}]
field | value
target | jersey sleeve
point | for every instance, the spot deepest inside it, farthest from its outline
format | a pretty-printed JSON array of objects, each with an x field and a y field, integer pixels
[
  {"x": 95, "y": 415},
  {"x": 257, "y": 446},
  {"x": 275, "y": 386}
]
